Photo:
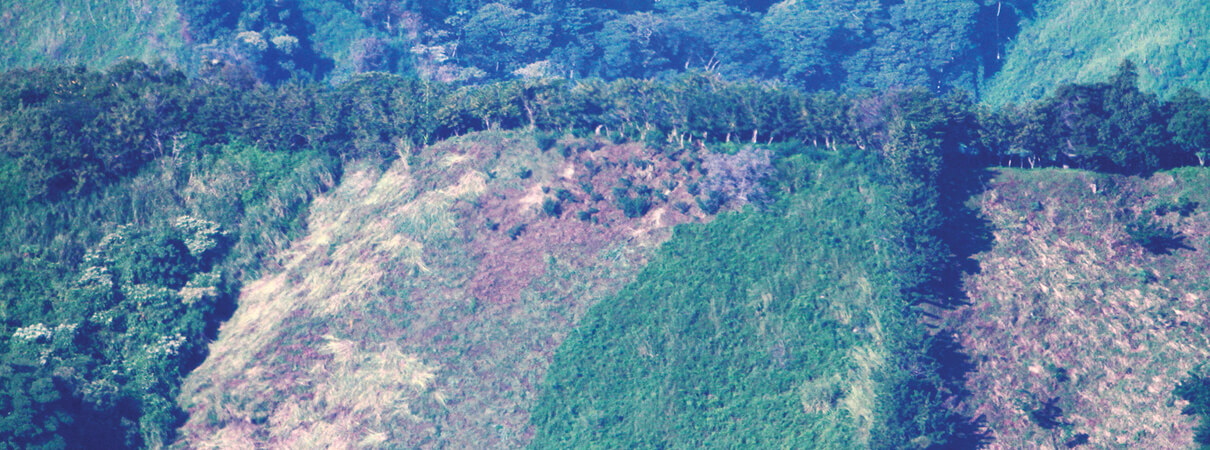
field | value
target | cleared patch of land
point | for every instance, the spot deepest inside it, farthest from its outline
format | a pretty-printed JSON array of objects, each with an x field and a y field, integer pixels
[
  {"x": 426, "y": 301},
  {"x": 1075, "y": 330}
]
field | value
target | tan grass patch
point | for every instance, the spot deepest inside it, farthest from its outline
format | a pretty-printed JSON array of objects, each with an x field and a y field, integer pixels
[
  {"x": 314, "y": 355},
  {"x": 533, "y": 196}
]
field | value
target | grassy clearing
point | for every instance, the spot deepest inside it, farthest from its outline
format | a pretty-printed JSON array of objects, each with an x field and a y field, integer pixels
[
  {"x": 89, "y": 32},
  {"x": 403, "y": 318},
  {"x": 1081, "y": 41},
  {"x": 1068, "y": 308}
]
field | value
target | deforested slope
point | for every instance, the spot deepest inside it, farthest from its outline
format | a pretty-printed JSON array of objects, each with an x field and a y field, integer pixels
[
  {"x": 1081, "y": 322},
  {"x": 424, "y": 304}
]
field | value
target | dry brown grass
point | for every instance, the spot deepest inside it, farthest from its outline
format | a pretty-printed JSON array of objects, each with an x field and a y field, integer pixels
[
  {"x": 1061, "y": 289},
  {"x": 401, "y": 320}
]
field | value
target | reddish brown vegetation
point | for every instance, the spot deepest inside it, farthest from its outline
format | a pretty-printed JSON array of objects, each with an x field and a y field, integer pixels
[
  {"x": 1077, "y": 333},
  {"x": 403, "y": 318},
  {"x": 507, "y": 265}
]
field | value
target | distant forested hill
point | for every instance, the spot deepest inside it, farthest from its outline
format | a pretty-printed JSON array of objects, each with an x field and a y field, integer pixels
[
  {"x": 828, "y": 44},
  {"x": 999, "y": 51},
  {"x": 89, "y": 32},
  {"x": 1084, "y": 40}
]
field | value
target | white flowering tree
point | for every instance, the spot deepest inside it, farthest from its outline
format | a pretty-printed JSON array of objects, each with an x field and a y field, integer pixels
[{"x": 130, "y": 325}]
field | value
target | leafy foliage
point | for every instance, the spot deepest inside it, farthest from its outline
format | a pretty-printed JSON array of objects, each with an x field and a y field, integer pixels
[
  {"x": 730, "y": 336},
  {"x": 1196, "y": 390},
  {"x": 112, "y": 321},
  {"x": 1111, "y": 126},
  {"x": 1154, "y": 236},
  {"x": 1050, "y": 50}
]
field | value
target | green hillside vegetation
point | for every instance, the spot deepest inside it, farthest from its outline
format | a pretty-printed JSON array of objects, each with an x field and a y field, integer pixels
[
  {"x": 1080, "y": 41},
  {"x": 744, "y": 332},
  {"x": 1000, "y": 52},
  {"x": 748, "y": 332},
  {"x": 828, "y": 44},
  {"x": 86, "y": 32},
  {"x": 109, "y": 297}
]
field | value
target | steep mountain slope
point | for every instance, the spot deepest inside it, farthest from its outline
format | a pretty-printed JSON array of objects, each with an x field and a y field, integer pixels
[
  {"x": 777, "y": 327},
  {"x": 424, "y": 304},
  {"x": 1076, "y": 332},
  {"x": 741, "y": 332},
  {"x": 88, "y": 32},
  {"x": 1080, "y": 41}
]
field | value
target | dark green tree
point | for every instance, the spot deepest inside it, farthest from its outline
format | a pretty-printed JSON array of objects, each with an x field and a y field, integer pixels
[{"x": 1190, "y": 124}]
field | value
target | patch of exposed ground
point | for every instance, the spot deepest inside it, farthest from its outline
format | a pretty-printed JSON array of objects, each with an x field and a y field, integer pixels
[
  {"x": 1068, "y": 311},
  {"x": 426, "y": 301}
]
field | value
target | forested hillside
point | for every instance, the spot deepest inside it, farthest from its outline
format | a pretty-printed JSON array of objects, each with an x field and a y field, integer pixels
[
  {"x": 998, "y": 51},
  {"x": 683, "y": 223},
  {"x": 1080, "y": 41},
  {"x": 834, "y": 44}
]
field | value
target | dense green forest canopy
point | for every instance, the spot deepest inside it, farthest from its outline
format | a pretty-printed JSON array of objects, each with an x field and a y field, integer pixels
[
  {"x": 996, "y": 50},
  {"x": 822, "y": 44}
]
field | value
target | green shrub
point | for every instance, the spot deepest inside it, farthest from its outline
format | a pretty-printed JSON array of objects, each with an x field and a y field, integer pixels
[
  {"x": 552, "y": 207},
  {"x": 564, "y": 195},
  {"x": 1154, "y": 236},
  {"x": 588, "y": 215},
  {"x": 712, "y": 202},
  {"x": 1195, "y": 389},
  {"x": 545, "y": 141},
  {"x": 1182, "y": 206},
  {"x": 515, "y": 231},
  {"x": 636, "y": 205}
]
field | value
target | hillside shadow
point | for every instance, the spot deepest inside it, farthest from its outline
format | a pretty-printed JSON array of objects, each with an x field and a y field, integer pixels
[
  {"x": 966, "y": 232},
  {"x": 954, "y": 365}
]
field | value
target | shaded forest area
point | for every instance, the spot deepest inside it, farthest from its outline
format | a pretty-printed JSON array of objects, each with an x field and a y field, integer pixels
[
  {"x": 137, "y": 200},
  {"x": 818, "y": 45}
]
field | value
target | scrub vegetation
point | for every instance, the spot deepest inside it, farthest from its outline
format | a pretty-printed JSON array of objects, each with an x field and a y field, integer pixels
[{"x": 627, "y": 224}]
